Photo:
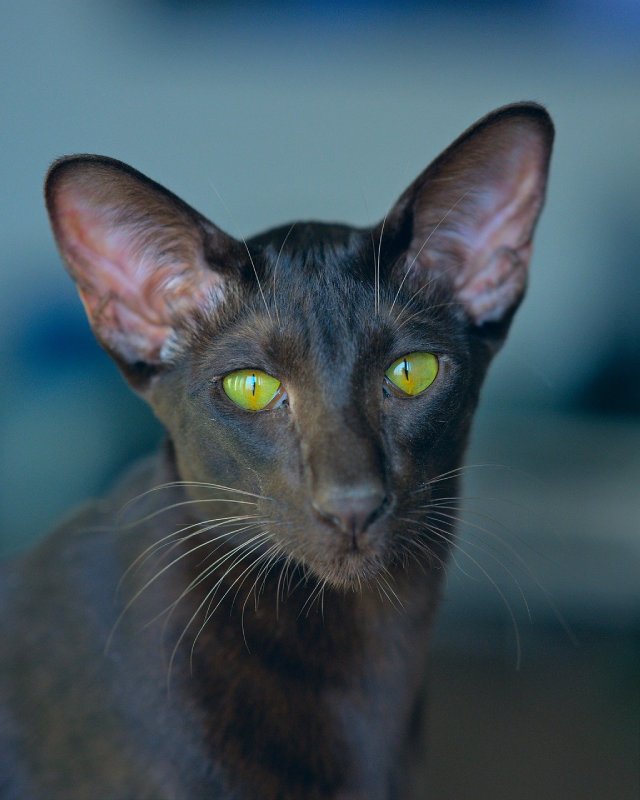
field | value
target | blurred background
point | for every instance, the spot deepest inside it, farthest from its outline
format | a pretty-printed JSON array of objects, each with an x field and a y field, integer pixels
[{"x": 260, "y": 113}]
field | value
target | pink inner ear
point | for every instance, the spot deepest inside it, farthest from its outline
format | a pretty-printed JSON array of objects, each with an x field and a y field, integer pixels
[
  {"x": 115, "y": 272},
  {"x": 498, "y": 248},
  {"x": 135, "y": 276},
  {"x": 476, "y": 219},
  {"x": 114, "y": 284},
  {"x": 497, "y": 287}
]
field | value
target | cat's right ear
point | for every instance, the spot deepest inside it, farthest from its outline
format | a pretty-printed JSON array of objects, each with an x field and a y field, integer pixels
[{"x": 142, "y": 259}]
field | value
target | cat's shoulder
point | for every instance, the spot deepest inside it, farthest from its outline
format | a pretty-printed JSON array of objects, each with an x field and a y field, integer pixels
[{"x": 78, "y": 556}]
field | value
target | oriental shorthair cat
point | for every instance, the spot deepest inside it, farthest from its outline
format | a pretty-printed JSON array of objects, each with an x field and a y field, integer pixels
[{"x": 246, "y": 615}]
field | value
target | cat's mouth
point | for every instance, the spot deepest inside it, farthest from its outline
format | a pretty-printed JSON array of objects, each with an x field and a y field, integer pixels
[{"x": 354, "y": 565}]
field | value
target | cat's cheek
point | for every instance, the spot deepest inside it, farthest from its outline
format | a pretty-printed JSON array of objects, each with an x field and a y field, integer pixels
[
  {"x": 204, "y": 459},
  {"x": 207, "y": 448}
]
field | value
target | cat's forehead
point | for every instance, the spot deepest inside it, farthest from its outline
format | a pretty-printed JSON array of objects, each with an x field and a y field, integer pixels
[
  {"x": 318, "y": 280},
  {"x": 324, "y": 326},
  {"x": 335, "y": 281},
  {"x": 305, "y": 238},
  {"x": 316, "y": 300},
  {"x": 321, "y": 320},
  {"x": 313, "y": 253}
]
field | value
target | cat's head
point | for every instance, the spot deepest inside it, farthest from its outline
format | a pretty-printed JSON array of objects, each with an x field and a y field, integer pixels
[{"x": 331, "y": 372}]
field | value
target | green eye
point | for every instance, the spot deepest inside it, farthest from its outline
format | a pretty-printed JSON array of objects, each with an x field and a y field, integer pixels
[
  {"x": 413, "y": 373},
  {"x": 252, "y": 389}
]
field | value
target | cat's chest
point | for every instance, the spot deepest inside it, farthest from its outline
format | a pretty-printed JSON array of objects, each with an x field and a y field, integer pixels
[
  {"x": 336, "y": 734},
  {"x": 374, "y": 716}
]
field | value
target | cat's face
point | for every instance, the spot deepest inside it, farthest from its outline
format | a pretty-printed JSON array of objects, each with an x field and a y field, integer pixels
[
  {"x": 343, "y": 454},
  {"x": 329, "y": 372}
]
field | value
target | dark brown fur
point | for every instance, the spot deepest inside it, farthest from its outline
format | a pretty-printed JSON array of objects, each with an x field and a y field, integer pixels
[{"x": 295, "y": 668}]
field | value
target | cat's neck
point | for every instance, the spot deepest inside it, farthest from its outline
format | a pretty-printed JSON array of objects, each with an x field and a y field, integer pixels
[{"x": 333, "y": 685}]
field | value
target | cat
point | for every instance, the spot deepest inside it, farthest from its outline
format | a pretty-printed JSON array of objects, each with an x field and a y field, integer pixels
[{"x": 247, "y": 614}]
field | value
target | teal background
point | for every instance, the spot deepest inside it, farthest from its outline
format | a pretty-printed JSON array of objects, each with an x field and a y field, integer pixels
[{"x": 260, "y": 113}]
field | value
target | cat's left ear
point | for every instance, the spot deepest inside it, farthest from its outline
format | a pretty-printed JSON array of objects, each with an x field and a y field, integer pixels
[{"x": 469, "y": 217}]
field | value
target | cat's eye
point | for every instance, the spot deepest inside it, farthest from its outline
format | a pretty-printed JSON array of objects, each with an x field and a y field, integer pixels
[
  {"x": 412, "y": 374},
  {"x": 253, "y": 389}
]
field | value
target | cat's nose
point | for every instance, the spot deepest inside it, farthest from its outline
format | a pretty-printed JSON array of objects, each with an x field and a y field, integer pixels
[{"x": 351, "y": 509}]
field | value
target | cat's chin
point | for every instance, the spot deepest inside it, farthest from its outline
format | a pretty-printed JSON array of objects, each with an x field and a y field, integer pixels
[{"x": 349, "y": 571}]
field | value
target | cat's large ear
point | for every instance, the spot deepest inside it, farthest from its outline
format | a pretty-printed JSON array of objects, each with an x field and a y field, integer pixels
[
  {"x": 469, "y": 217},
  {"x": 142, "y": 259}
]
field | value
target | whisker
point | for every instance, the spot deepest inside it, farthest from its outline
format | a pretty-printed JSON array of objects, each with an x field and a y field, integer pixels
[
  {"x": 179, "y": 484},
  {"x": 424, "y": 244},
  {"x": 246, "y": 247},
  {"x": 180, "y": 504},
  {"x": 281, "y": 581},
  {"x": 271, "y": 557},
  {"x": 376, "y": 267},
  {"x": 322, "y": 594},
  {"x": 482, "y": 547},
  {"x": 453, "y": 473},
  {"x": 275, "y": 269},
  {"x": 200, "y": 607},
  {"x": 152, "y": 580},
  {"x": 387, "y": 583},
  {"x": 210, "y": 596},
  {"x": 513, "y": 552},
  {"x": 169, "y": 610},
  {"x": 382, "y": 589},
  {"x": 169, "y": 547},
  {"x": 255, "y": 272},
  {"x": 209, "y": 570},
  {"x": 262, "y": 557},
  {"x": 418, "y": 313},
  {"x": 312, "y": 595},
  {"x": 461, "y": 506},
  {"x": 423, "y": 547},
  {"x": 264, "y": 574},
  {"x": 446, "y": 536},
  {"x": 164, "y": 541},
  {"x": 408, "y": 545}
]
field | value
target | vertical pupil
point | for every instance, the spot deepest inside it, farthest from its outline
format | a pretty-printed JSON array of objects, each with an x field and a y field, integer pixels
[
  {"x": 253, "y": 386},
  {"x": 405, "y": 366}
]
